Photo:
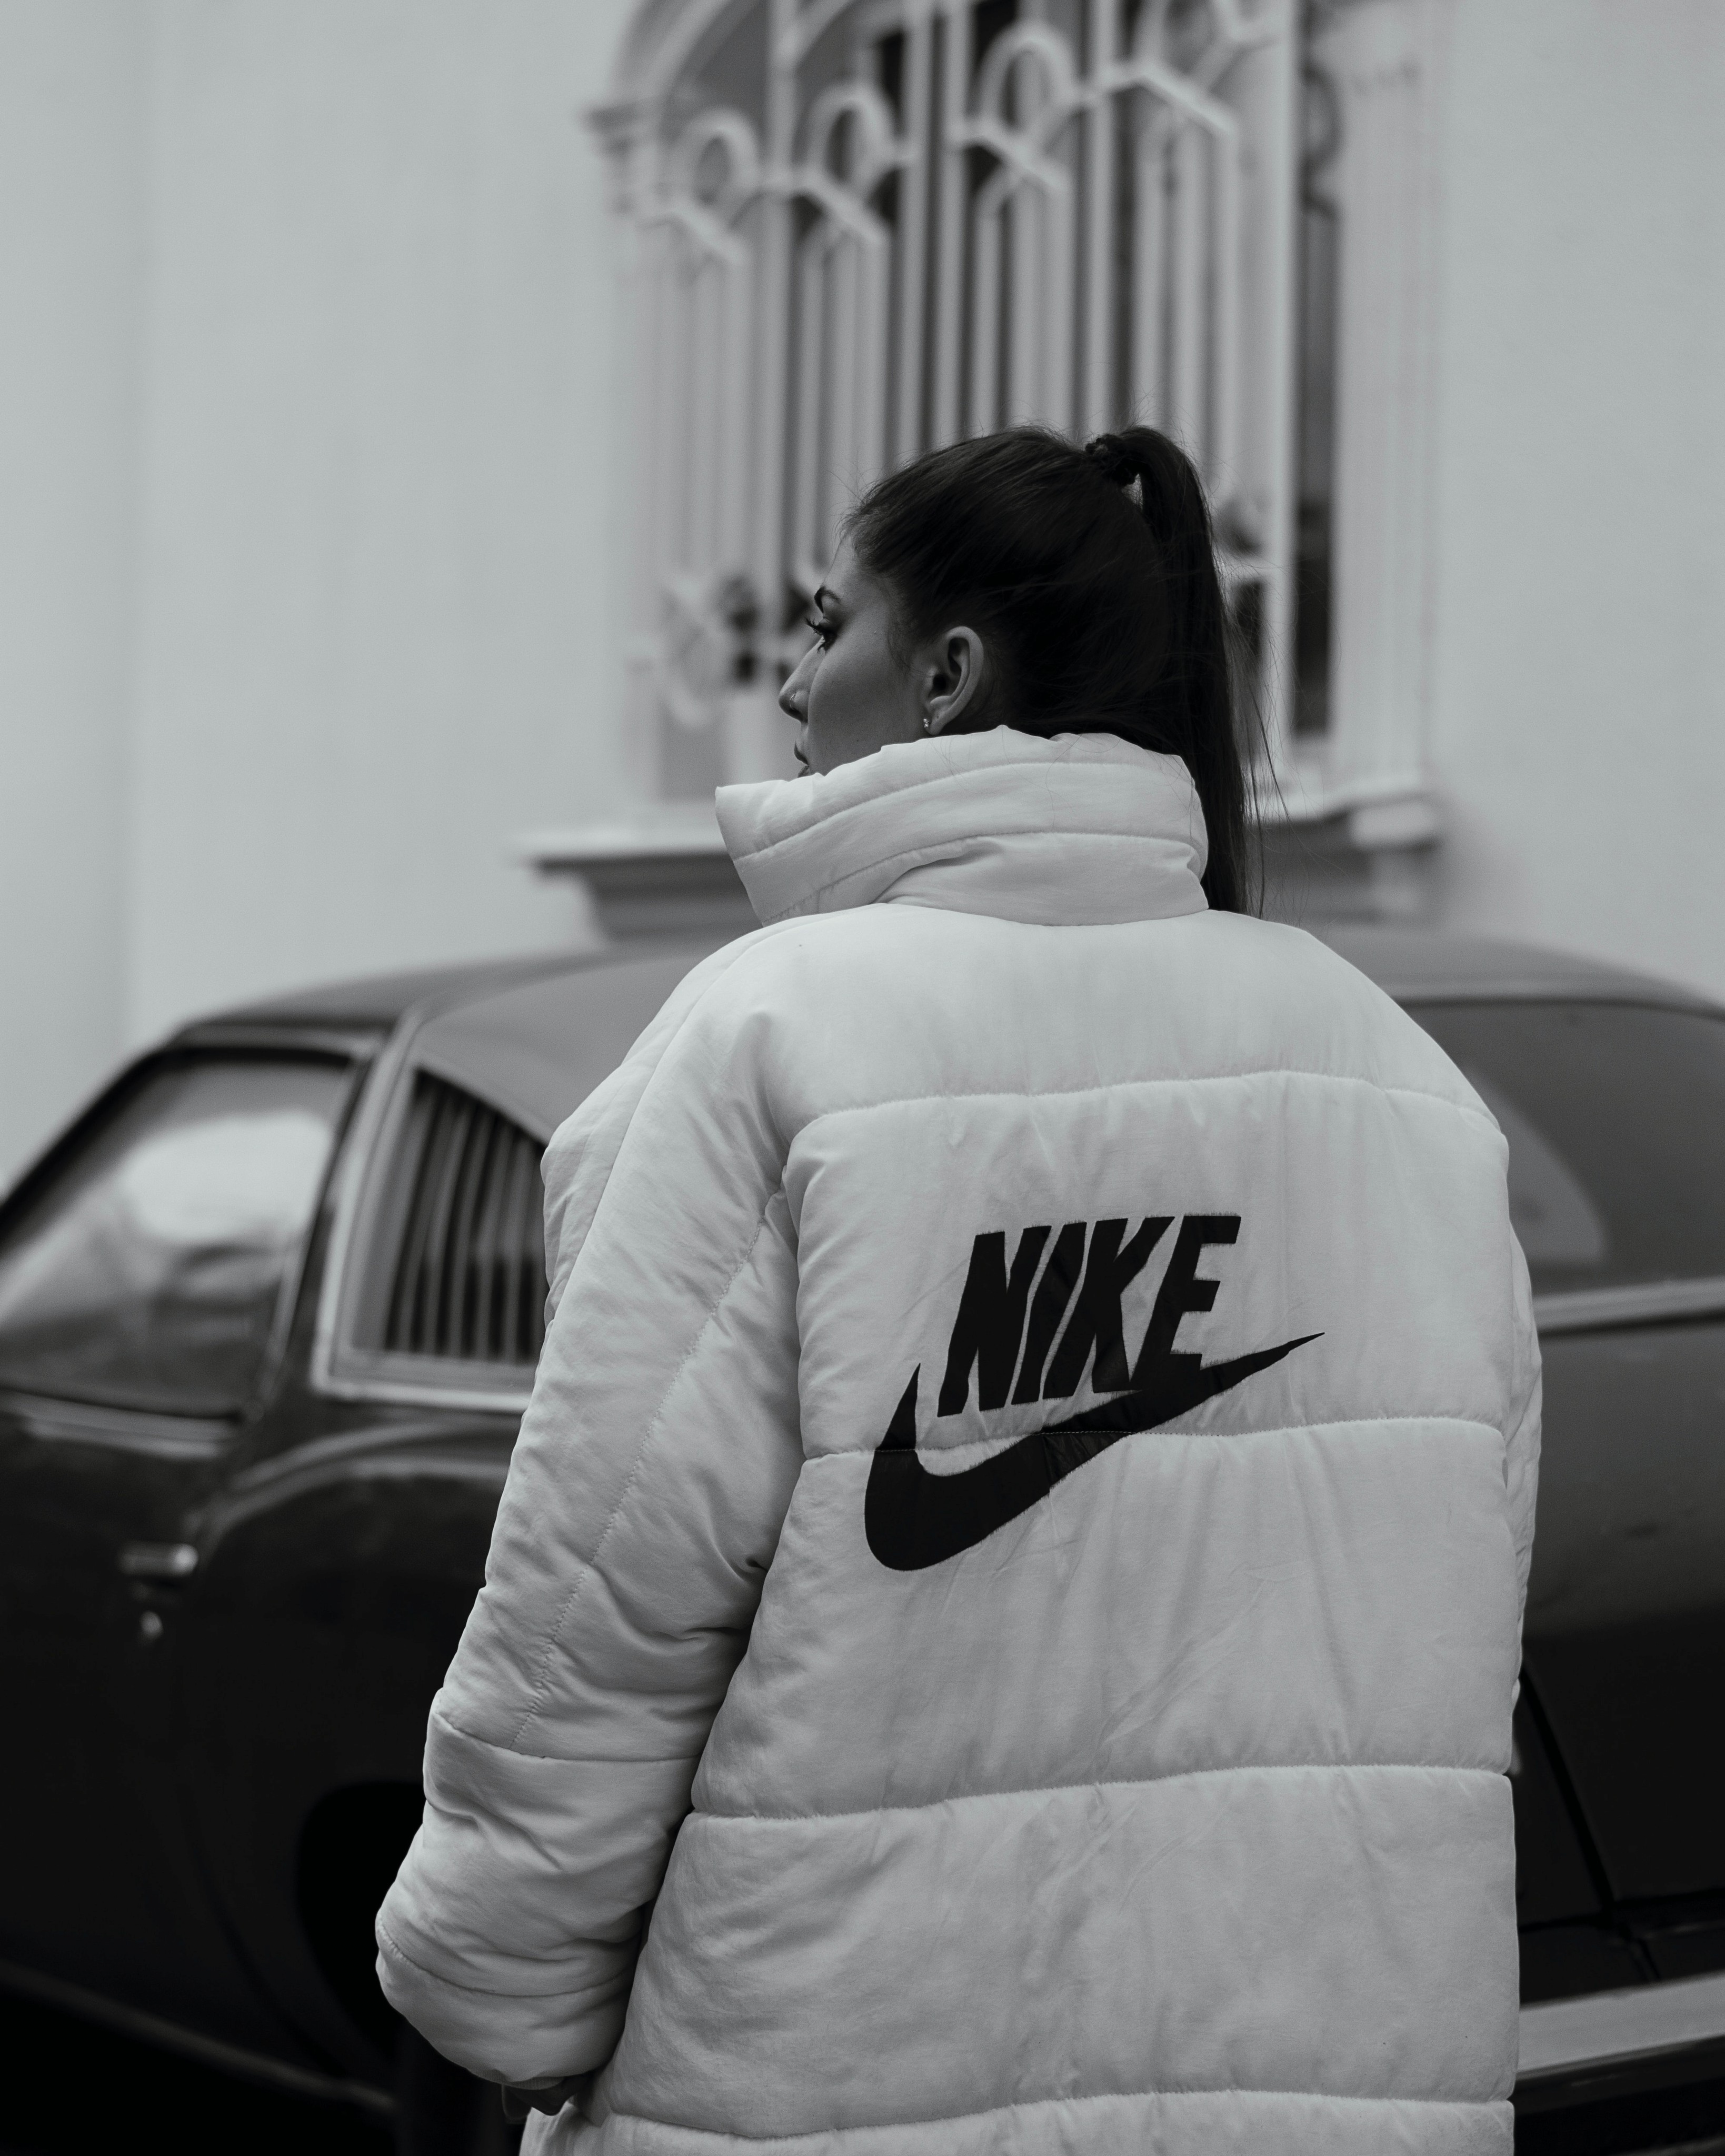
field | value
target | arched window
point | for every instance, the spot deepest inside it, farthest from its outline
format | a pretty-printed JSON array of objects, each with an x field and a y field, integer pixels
[{"x": 860, "y": 229}]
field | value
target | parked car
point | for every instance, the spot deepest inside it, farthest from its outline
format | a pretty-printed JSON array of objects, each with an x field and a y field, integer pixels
[{"x": 269, "y": 1314}]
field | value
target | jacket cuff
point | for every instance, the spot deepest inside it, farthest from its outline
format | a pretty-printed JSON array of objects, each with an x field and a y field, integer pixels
[{"x": 504, "y": 2037}]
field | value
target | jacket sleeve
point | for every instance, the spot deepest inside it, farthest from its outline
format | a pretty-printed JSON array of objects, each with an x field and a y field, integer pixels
[
  {"x": 644, "y": 1502},
  {"x": 583, "y": 1150}
]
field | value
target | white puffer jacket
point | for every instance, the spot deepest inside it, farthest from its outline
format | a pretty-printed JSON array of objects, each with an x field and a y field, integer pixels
[{"x": 1001, "y": 1630}]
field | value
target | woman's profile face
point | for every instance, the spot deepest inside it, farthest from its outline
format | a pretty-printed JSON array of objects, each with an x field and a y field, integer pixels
[
  {"x": 853, "y": 693},
  {"x": 850, "y": 695}
]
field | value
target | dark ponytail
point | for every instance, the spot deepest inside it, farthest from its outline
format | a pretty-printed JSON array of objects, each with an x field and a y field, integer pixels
[{"x": 1090, "y": 575}]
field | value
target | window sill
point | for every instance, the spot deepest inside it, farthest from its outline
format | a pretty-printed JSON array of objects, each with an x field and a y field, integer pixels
[{"x": 1363, "y": 852}]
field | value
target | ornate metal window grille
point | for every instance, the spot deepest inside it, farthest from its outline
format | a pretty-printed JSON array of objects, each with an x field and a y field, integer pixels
[{"x": 861, "y": 229}]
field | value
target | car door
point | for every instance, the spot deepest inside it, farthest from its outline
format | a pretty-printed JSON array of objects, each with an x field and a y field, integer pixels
[
  {"x": 1614, "y": 1111},
  {"x": 341, "y": 1564},
  {"x": 148, "y": 1269}
]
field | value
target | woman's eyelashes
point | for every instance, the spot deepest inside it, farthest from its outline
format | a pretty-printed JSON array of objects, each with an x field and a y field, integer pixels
[{"x": 824, "y": 630}]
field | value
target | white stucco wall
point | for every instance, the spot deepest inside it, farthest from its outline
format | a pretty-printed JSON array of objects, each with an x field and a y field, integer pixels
[
  {"x": 71, "y": 161},
  {"x": 307, "y": 408},
  {"x": 1579, "y": 695},
  {"x": 374, "y": 587}
]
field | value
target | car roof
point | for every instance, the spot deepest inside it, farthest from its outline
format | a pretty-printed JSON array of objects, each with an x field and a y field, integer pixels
[
  {"x": 1426, "y": 965},
  {"x": 384, "y": 999},
  {"x": 535, "y": 1048},
  {"x": 1420, "y": 963},
  {"x": 534, "y": 1035}
]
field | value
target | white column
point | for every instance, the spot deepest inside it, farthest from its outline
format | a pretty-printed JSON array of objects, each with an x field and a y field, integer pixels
[{"x": 1384, "y": 58}]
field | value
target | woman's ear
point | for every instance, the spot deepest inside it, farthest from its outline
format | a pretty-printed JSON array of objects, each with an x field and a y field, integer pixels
[{"x": 950, "y": 679}]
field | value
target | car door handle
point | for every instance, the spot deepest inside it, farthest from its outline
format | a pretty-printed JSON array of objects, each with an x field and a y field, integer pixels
[{"x": 165, "y": 1562}]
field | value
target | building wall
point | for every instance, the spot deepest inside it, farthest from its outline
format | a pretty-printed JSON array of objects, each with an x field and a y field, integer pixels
[
  {"x": 374, "y": 565},
  {"x": 1578, "y": 710},
  {"x": 306, "y": 383},
  {"x": 71, "y": 226}
]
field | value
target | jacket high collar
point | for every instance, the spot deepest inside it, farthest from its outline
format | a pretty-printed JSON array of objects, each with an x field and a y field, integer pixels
[{"x": 1083, "y": 829}]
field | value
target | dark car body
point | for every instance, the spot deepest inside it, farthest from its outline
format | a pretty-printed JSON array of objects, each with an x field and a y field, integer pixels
[{"x": 239, "y": 1532}]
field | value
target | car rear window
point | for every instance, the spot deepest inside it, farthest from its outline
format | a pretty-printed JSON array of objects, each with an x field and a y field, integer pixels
[
  {"x": 1615, "y": 1118},
  {"x": 458, "y": 1273},
  {"x": 152, "y": 1269}
]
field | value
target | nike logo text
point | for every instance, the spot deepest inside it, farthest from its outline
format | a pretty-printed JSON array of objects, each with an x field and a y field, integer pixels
[{"x": 913, "y": 1519}]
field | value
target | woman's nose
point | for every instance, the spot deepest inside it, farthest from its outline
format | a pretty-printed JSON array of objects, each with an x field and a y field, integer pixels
[{"x": 793, "y": 697}]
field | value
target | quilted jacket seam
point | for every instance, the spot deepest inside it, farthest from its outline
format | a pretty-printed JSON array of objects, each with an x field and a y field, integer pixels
[
  {"x": 1111, "y": 1782},
  {"x": 1132, "y": 1085},
  {"x": 565, "y": 1758},
  {"x": 542, "y": 1682},
  {"x": 1270, "y": 1429},
  {"x": 824, "y": 2135},
  {"x": 387, "y": 1940}
]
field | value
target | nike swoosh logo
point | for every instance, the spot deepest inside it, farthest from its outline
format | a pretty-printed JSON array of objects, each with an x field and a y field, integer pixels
[{"x": 914, "y": 1519}]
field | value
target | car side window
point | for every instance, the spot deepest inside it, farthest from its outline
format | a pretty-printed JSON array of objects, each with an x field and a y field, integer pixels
[
  {"x": 1615, "y": 1118},
  {"x": 457, "y": 1271},
  {"x": 150, "y": 1266}
]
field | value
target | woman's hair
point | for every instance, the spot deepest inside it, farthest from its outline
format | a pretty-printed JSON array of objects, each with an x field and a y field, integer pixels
[{"x": 1100, "y": 615}]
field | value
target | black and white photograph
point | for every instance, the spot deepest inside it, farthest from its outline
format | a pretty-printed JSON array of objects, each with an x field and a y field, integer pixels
[{"x": 862, "y": 1077}]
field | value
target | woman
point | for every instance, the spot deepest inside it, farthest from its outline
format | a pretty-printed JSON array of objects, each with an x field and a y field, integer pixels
[{"x": 1002, "y": 1627}]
